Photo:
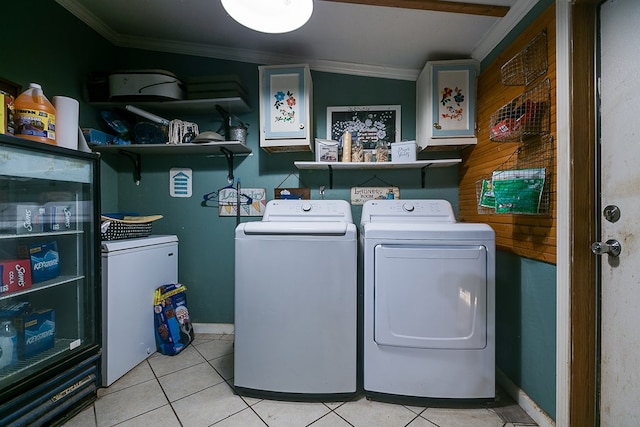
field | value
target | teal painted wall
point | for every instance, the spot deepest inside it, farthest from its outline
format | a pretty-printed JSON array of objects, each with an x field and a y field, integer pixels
[
  {"x": 206, "y": 240},
  {"x": 58, "y": 51},
  {"x": 526, "y": 326}
]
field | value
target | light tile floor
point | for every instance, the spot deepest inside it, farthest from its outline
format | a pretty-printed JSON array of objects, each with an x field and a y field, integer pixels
[{"x": 195, "y": 388}]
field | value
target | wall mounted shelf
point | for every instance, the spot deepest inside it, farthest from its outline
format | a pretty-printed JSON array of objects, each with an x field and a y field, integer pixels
[
  {"x": 210, "y": 148},
  {"x": 234, "y": 104},
  {"x": 419, "y": 164},
  {"x": 229, "y": 149}
]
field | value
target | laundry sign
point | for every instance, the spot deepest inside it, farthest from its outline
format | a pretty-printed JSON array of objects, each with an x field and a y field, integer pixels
[
  {"x": 359, "y": 195},
  {"x": 180, "y": 182}
]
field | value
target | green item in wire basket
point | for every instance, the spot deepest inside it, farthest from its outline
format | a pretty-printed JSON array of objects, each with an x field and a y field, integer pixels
[
  {"x": 518, "y": 190},
  {"x": 487, "y": 198}
]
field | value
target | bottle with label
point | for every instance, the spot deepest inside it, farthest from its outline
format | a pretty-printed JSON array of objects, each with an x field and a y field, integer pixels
[
  {"x": 8, "y": 344},
  {"x": 35, "y": 116}
]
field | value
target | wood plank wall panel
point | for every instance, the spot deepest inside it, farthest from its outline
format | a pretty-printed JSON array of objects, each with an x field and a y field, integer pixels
[{"x": 530, "y": 236}]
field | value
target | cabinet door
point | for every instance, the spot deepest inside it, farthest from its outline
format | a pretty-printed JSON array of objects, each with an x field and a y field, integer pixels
[
  {"x": 285, "y": 108},
  {"x": 453, "y": 100},
  {"x": 284, "y": 103}
]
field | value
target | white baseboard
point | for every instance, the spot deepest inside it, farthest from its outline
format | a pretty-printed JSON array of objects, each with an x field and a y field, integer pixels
[
  {"x": 213, "y": 328},
  {"x": 524, "y": 401}
]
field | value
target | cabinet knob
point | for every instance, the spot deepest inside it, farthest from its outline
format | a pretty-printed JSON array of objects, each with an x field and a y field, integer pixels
[
  {"x": 437, "y": 125},
  {"x": 301, "y": 125}
]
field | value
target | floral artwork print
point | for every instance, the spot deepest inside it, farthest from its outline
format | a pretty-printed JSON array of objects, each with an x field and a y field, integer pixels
[
  {"x": 284, "y": 105},
  {"x": 454, "y": 110},
  {"x": 367, "y": 126}
]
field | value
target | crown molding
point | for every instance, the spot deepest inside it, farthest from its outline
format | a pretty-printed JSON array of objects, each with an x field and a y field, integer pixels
[
  {"x": 267, "y": 58},
  {"x": 502, "y": 28},
  {"x": 90, "y": 19}
]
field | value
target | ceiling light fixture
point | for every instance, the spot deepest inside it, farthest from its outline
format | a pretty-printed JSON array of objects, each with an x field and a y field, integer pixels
[{"x": 270, "y": 16}]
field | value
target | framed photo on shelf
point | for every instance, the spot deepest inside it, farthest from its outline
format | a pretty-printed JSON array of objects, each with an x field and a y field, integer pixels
[{"x": 369, "y": 124}]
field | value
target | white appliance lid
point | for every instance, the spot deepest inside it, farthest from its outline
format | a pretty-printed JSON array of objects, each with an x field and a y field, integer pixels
[
  {"x": 405, "y": 211},
  {"x": 297, "y": 228},
  {"x": 124, "y": 244},
  {"x": 308, "y": 211}
]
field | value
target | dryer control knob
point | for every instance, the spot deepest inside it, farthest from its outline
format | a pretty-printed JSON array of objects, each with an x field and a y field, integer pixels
[
  {"x": 408, "y": 207},
  {"x": 306, "y": 207}
]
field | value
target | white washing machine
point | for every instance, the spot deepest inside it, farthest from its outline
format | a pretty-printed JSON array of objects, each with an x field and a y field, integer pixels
[
  {"x": 295, "y": 300},
  {"x": 429, "y": 285}
]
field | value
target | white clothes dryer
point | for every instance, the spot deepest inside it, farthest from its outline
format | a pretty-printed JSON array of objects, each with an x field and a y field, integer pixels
[
  {"x": 429, "y": 290},
  {"x": 295, "y": 300}
]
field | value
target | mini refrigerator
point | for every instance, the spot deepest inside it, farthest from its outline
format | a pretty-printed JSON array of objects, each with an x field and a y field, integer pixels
[
  {"x": 131, "y": 271},
  {"x": 50, "y": 286}
]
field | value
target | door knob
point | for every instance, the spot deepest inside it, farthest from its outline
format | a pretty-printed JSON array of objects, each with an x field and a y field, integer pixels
[{"x": 611, "y": 247}]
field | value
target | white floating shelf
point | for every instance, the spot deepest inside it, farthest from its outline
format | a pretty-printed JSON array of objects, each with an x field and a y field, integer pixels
[
  {"x": 418, "y": 164},
  {"x": 375, "y": 165}
]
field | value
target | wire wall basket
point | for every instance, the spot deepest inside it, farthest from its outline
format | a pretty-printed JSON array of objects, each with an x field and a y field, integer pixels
[
  {"x": 528, "y": 64},
  {"x": 525, "y": 116},
  {"x": 521, "y": 185}
]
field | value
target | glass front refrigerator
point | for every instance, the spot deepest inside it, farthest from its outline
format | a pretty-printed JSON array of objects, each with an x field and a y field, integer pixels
[{"x": 50, "y": 289}]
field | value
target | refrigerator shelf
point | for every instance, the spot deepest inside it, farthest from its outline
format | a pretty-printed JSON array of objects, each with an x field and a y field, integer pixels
[
  {"x": 47, "y": 234},
  {"x": 61, "y": 345},
  {"x": 60, "y": 280}
]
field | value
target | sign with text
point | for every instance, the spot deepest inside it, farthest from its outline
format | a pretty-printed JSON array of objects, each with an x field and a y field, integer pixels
[{"x": 359, "y": 195}]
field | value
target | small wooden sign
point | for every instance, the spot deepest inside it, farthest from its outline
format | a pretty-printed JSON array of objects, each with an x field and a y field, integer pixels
[
  {"x": 292, "y": 193},
  {"x": 359, "y": 195}
]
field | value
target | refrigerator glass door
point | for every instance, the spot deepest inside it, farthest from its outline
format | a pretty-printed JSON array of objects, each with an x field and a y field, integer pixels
[{"x": 48, "y": 253}]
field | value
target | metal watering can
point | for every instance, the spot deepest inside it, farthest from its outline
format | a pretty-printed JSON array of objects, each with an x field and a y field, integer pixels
[{"x": 232, "y": 132}]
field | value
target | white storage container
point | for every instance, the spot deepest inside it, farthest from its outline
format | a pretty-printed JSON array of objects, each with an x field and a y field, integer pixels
[
  {"x": 403, "y": 152},
  {"x": 326, "y": 150},
  {"x": 145, "y": 85}
]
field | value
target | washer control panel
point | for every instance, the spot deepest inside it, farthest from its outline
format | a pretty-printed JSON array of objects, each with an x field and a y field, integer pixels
[
  {"x": 416, "y": 210},
  {"x": 308, "y": 210}
]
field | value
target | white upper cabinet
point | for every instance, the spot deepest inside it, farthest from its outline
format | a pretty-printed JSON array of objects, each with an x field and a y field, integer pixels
[
  {"x": 285, "y": 108},
  {"x": 446, "y": 105}
]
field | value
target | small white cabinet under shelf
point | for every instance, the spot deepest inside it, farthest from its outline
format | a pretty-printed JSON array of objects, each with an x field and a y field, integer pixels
[
  {"x": 418, "y": 164},
  {"x": 446, "y": 105}
]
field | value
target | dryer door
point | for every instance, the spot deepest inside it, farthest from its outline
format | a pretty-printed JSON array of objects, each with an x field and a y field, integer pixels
[{"x": 430, "y": 296}]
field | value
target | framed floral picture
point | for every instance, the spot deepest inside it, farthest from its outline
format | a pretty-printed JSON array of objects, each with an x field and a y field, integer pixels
[
  {"x": 454, "y": 89},
  {"x": 369, "y": 124}
]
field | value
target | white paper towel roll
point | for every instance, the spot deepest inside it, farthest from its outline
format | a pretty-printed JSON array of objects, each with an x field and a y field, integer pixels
[{"x": 67, "y": 116}]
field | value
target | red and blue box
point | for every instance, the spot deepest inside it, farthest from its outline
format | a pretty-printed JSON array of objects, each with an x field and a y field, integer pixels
[{"x": 16, "y": 275}]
